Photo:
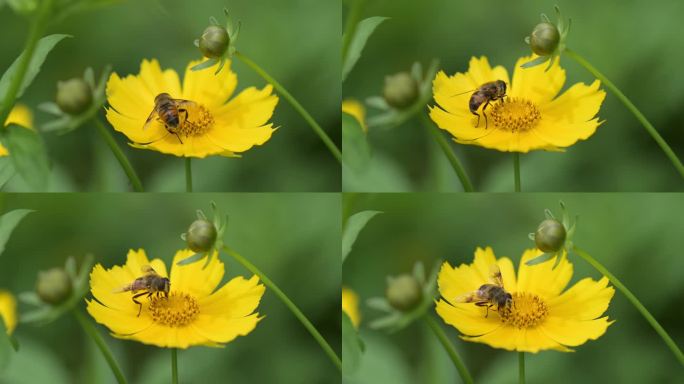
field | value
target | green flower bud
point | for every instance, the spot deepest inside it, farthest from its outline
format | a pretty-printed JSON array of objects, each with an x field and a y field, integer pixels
[
  {"x": 544, "y": 39},
  {"x": 53, "y": 286},
  {"x": 201, "y": 236},
  {"x": 401, "y": 90},
  {"x": 74, "y": 96},
  {"x": 214, "y": 42},
  {"x": 403, "y": 292},
  {"x": 550, "y": 236}
]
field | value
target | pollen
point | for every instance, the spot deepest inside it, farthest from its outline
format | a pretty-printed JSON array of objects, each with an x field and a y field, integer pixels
[
  {"x": 199, "y": 121},
  {"x": 526, "y": 311},
  {"x": 515, "y": 115},
  {"x": 178, "y": 310}
]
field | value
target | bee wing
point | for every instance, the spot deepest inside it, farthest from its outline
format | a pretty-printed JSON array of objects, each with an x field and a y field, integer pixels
[
  {"x": 495, "y": 275},
  {"x": 182, "y": 103},
  {"x": 148, "y": 270},
  {"x": 154, "y": 114},
  {"x": 469, "y": 297},
  {"x": 124, "y": 288}
]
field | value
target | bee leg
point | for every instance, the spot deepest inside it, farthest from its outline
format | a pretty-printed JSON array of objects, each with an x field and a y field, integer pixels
[
  {"x": 484, "y": 304},
  {"x": 485, "y": 115},
  {"x": 178, "y": 136},
  {"x": 139, "y": 303},
  {"x": 478, "y": 118}
]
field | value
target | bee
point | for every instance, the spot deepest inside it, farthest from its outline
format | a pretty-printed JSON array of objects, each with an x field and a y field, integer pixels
[
  {"x": 489, "y": 295},
  {"x": 150, "y": 283},
  {"x": 173, "y": 113},
  {"x": 484, "y": 94}
]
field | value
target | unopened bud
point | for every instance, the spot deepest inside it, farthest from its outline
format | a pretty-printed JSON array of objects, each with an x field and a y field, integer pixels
[
  {"x": 401, "y": 90},
  {"x": 214, "y": 41},
  {"x": 550, "y": 236},
  {"x": 544, "y": 39},
  {"x": 403, "y": 292},
  {"x": 201, "y": 236},
  {"x": 74, "y": 96},
  {"x": 53, "y": 286}
]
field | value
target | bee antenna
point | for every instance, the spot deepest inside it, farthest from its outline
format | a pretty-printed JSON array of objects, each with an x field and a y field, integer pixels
[{"x": 463, "y": 93}]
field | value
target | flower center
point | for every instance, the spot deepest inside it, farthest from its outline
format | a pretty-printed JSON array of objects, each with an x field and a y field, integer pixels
[
  {"x": 515, "y": 114},
  {"x": 526, "y": 311},
  {"x": 198, "y": 123},
  {"x": 178, "y": 310}
]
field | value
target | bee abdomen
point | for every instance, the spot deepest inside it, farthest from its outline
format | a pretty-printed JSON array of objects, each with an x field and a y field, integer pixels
[{"x": 476, "y": 100}]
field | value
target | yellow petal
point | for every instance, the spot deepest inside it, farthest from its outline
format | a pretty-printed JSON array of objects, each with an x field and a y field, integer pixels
[
  {"x": 579, "y": 103},
  {"x": 193, "y": 278},
  {"x": 20, "y": 115},
  {"x": 223, "y": 330},
  {"x": 459, "y": 124},
  {"x": 574, "y": 332},
  {"x": 133, "y": 127},
  {"x": 354, "y": 108},
  {"x": 586, "y": 300},
  {"x": 118, "y": 321},
  {"x": 480, "y": 72},
  {"x": 468, "y": 318},
  {"x": 8, "y": 311},
  {"x": 237, "y": 298},
  {"x": 350, "y": 305},
  {"x": 530, "y": 340},
  {"x": 168, "y": 337},
  {"x": 207, "y": 88},
  {"x": 543, "y": 279},
  {"x": 537, "y": 84}
]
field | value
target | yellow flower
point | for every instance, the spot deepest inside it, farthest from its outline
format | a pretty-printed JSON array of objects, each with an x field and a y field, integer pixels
[
  {"x": 195, "y": 313},
  {"x": 214, "y": 125},
  {"x": 541, "y": 317},
  {"x": 354, "y": 108},
  {"x": 8, "y": 310},
  {"x": 350, "y": 306},
  {"x": 530, "y": 117},
  {"x": 21, "y": 116}
]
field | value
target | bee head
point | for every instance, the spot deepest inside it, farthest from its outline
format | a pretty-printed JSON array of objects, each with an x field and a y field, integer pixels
[
  {"x": 501, "y": 87},
  {"x": 163, "y": 285},
  {"x": 509, "y": 299}
]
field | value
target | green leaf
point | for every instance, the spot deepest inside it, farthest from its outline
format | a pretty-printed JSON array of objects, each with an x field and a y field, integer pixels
[
  {"x": 28, "y": 154},
  {"x": 351, "y": 231},
  {"x": 6, "y": 170},
  {"x": 351, "y": 347},
  {"x": 356, "y": 152},
  {"x": 363, "y": 31},
  {"x": 44, "y": 46},
  {"x": 8, "y": 222},
  {"x": 539, "y": 259},
  {"x": 191, "y": 259},
  {"x": 204, "y": 64}
]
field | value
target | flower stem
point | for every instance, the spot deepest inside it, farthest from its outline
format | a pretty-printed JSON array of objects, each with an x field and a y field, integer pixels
[
  {"x": 449, "y": 153},
  {"x": 188, "y": 175},
  {"x": 92, "y": 332},
  {"x": 516, "y": 170},
  {"x": 123, "y": 160},
  {"x": 350, "y": 26},
  {"x": 640, "y": 307},
  {"x": 289, "y": 304},
  {"x": 521, "y": 367},
  {"x": 174, "y": 365},
  {"x": 298, "y": 107},
  {"x": 632, "y": 108},
  {"x": 37, "y": 28},
  {"x": 449, "y": 348}
]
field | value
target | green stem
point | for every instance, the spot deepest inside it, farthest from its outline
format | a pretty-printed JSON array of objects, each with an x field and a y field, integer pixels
[
  {"x": 123, "y": 160},
  {"x": 174, "y": 365},
  {"x": 449, "y": 348},
  {"x": 92, "y": 332},
  {"x": 449, "y": 153},
  {"x": 516, "y": 170},
  {"x": 640, "y": 307},
  {"x": 298, "y": 107},
  {"x": 521, "y": 367},
  {"x": 37, "y": 28},
  {"x": 632, "y": 108},
  {"x": 350, "y": 26},
  {"x": 289, "y": 304},
  {"x": 188, "y": 175}
]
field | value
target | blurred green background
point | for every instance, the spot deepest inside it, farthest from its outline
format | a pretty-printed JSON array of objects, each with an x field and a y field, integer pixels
[
  {"x": 293, "y": 238},
  {"x": 632, "y": 42},
  {"x": 636, "y": 236},
  {"x": 277, "y": 34}
]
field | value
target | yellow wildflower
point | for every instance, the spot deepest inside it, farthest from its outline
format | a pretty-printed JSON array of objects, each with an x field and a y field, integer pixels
[
  {"x": 8, "y": 310},
  {"x": 350, "y": 306},
  {"x": 20, "y": 115},
  {"x": 354, "y": 108}
]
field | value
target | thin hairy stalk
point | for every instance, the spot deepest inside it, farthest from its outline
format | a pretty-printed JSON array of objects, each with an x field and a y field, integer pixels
[
  {"x": 449, "y": 153},
  {"x": 632, "y": 108},
  {"x": 295, "y": 104},
  {"x": 37, "y": 28},
  {"x": 174, "y": 365},
  {"x": 637, "y": 304},
  {"x": 521, "y": 367},
  {"x": 516, "y": 170},
  {"x": 106, "y": 353},
  {"x": 289, "y": 304},
  {"x": 120, "y": 156},
  {"x": 188, "y": 175},
  {"x": 449, "y": 348}
]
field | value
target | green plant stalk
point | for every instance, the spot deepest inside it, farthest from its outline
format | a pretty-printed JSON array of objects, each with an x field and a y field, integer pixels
[
  {"x": 449, "y": 153},
  {"x": 174, "y": 365},
  {"x": 37, "y": 28},
  {"x": 521, "y": 367},
  {"x": 92, "y": 332},
  {"x": 289, "y": 304},
  {"x": 295, "y": 104},
  {"x": 632, "y": 108},
  {"x": 123, "y": 160},
  {"x": 516, "y": 170},
  {"x": 188, "y": 175},
  {"x": 451, "y": 351},
  {"x": 350, "y": 26},
  {"x": 640, "y": 307}
]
